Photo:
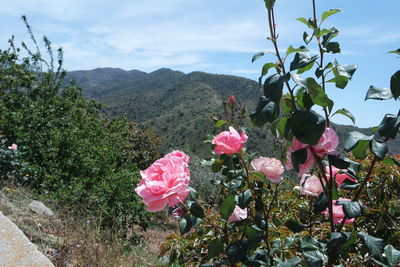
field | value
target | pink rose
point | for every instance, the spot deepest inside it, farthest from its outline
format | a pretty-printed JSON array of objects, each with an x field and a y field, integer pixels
[
  {"x": 238, "y": 214},
  {"x": 310, "y": 185},
  {"x": 326, "y": 145},
  {"x": 13, "y": 147},
  {"x": 229, "y": 142},
  {"x": 339, "y": 177},
  {"x": 338, "y": 213},
  {"x": 272, "y": 168},
  {"x": 165, "y": 182}
]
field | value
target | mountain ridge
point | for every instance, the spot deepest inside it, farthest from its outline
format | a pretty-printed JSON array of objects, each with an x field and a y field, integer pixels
[{"x": 178, "y": 106}]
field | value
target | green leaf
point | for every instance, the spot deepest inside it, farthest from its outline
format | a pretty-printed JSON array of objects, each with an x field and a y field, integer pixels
[
  {"x": 266, "y": 111},
  {"x": 237, "y": 251},
  {"x": 244, "y": 199},
  {"x": 294, "y": 226},
  {"x": 338, "y": 162},
  {"x": 220, "y": 123},
  {"x": 320, "y": 204},
  {"x": 348, "y": 244},
  {"x": 216, "y": 166},
  {"x": 395, "y": 85},
  {"x": 395, "y": 51},
  {"x": 293, "y": 262},
  {"x": 354, "y": 138},
  {"x": 391, "y": 161},
  {"x": 333, "y": 32},
  {"x": 265, "y": 70},
  {"x": 306, "y": 22},
  {"x": 346, "y": 70},
  {"x": 379, "y": 149},
  {"x": 291, "y": 50},
  {"x": 337, "y": 239},
  {"x": 302, "y": 60},
  {"x": 196, "y": 210},
  {"x": 346, "y": 113},
  {"x": 299, "y": 157},
  {"x": 349, "y": 185},
  {"x": 304, "y": 99},
  {"x": 326, "y": 14},
  {"x": 389, "y": 126},
  {"x": 378, "y": 93},
  {"x": 374, "y": 245},
  {"x": 228, "y": 206},
  {"x": 352, "y": 209},
  {"x": 273, "y": 86},
  {"x": 317, "y": 93},
  {"x": 258, "y": 55},
  {"x": 332, "y": 47},
  {"x": 392, "y": 255},
  {"x": 269, "y": 4},
  {"x": 185, "y": 224},
  {"x": 307, "y": 38},
  {"x": 215, "y": 248},
  {"x": 307, "y": 126}
]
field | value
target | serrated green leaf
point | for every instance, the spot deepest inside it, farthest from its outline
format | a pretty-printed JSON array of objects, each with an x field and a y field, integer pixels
[
  {"x": 389, "y": 126},
  {"x": 320, "y": 204},
  {"x": 331, "y": 12},
  {"x": 346, "y": 113},
  {"x": 332, "y": 47},
  {"x": 317, "y": 93},
  {"x": 196, "y": 210},
  {"x": 392, "y": 255},
  {"x": 378, "y": 93},
  {"x": 265, "y": 69},
  {"x": 395, "y": 85},
  {"x": 266, "y": 111},
  {"x": 353, "y": 138}
]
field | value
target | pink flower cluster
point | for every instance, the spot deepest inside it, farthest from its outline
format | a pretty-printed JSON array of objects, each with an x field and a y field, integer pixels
[
  {"x": 165, "y": 182},
  {"x": 229, "y": 142},
  {"x": 326, "y": 144},
  {"x": 272, "y": 168}
]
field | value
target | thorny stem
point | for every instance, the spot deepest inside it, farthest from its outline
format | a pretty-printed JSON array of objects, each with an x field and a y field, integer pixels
[{"x": 274, "y": 37}]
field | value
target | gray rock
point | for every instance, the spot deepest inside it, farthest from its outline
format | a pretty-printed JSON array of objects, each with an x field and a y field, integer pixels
[
  {"x": 16, "y": 249},
  {"x": 40, "y": 208}
]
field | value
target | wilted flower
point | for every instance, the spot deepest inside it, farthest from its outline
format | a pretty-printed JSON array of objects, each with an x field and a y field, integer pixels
[
  {"x": 229, "y": 142},
  {"x": 238, "y": 214},
  {"x": 272, "y": 168},
  {"x": 165, "y": 182}
]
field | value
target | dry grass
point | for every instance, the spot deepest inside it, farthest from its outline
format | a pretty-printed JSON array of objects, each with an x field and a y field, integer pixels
[{"x": 71, "y": 241}]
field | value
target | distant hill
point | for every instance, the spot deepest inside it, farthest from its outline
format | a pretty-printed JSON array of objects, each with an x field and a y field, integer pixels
[{"x": 178, "y": 106}]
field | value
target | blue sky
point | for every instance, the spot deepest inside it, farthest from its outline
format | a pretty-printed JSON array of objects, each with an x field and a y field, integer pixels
[{"x": 216, "y": 36}]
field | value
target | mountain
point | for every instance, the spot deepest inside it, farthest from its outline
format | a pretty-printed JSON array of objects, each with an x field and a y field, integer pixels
[{"x": 179, "y": 106}]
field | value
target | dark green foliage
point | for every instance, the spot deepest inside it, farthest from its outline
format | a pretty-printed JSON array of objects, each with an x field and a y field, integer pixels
[{"x": 84, "y": 162}]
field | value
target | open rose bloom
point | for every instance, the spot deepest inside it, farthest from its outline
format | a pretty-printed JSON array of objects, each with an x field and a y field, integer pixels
[
  {"x": 310, "y": 185},
  {"x": 338, "y": 213},
  {"x": 229, "y": 142},
  {"x": 165, "y": 182},
  {"x": 238, "y": 214},
  {"x": 327, "y": 144},
  {"x": 272, "y": 168}
]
